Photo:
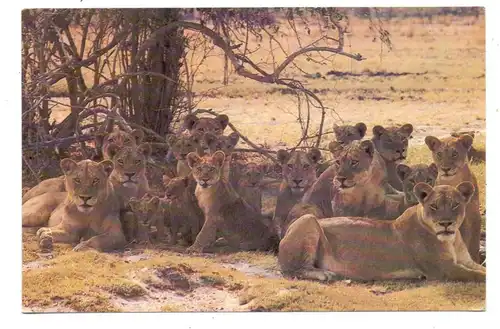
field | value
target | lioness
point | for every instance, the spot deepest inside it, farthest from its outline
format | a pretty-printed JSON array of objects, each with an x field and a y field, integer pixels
[
  {"x": 424, "y": 241},
  {"x": 181, "y": 146},
  {"x": 346, "y": 134},
  {"x": 392, "y": 145},
  {"x": 90, "y": 210},
  {"x": 117, "y": 136},
  {"x": 474, "y": 155},
  {"x": 298, "y": 169},
  {"x": 450, "y": 156},
  {"x": 249, "y": 183},
  {"x": 225, "y": 211}
]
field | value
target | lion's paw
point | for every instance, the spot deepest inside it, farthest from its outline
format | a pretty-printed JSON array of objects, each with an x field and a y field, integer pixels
[
  {"x": 45, "y": 240},
  {"x": 82, "y": 246}
]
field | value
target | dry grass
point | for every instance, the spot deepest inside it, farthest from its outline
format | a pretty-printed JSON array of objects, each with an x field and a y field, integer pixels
[{"x": 444, "y": 91}]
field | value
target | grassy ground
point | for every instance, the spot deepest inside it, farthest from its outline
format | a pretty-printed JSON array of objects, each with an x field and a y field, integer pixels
[{"x": 433, "y": 78}]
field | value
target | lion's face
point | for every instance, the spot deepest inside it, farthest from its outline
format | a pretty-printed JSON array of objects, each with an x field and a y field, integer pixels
[
  {"x": 222, "y": 143},
  {"x": 175, "y": 187},
  {"x": 206, "y": 170},
  {"x": 121, "y": 138},
  {"x": 352, "y": 163},
  {"x": 200, "y": 126},
  {"x": 86, "y": 182},
  {"x": 182, "y": 145},
  {"x": 129, "y": 163},
  {"x": 410, "y": 176},
  {"x": 347, "y": 133},
  {"x": 299, "y": 168},
  {"x": 450, "y": 153},
  {"x": 392, "y": 143},
  {"x": 144, "y": 209},
  {"x": 252, "y": 174},
  {"x": 444, "y": 207}
]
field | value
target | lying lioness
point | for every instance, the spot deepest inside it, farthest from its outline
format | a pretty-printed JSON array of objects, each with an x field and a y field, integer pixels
[{"x": 424, "y": 241}]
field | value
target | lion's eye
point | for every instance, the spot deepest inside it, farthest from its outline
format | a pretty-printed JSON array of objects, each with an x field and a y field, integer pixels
[
  {"x": 354, "y": 163},
  {"x": 126, "y": 141},
  {"x": 433, "y": 207},
  {"x": 439, "y": 155},
  {"x": 454, "y": 154},
  {"x": 77, "y": 180},
  {"x": 95, "y": 181},
  {"x": 455, "y": 206},
  {"x": 120, "y": 161},
  {"x": 290, "y": 166},
  {"x": 306, "y": 167},
  {"x": 111, "y": 140},
  {"x": 200, "y": 129},
  {"x": 137, "y": 162}
]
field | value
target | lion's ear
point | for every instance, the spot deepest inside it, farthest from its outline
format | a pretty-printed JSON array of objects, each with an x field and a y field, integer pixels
[
  {"x": 466, "y": 189},
  {"x": 336, "y": 128},
  {"x": 432, "y": 143},
  {"x": 218, "y": 158},
  {"x": 466, "y": 141},
  {"x": 108, "y": 166},
  {"x": 378, "y": 131},
  {"x": 361, "y": 128},
  {"x": 368, "y": 147},
  {"x": 223, "y": 120},
  {"x": 422, "y": 191},
  {"x": 433, "y": 169},
  {"x": 283, "y": 156},
  {"x": 192, "y": 159},
  {"x": 209, "y": 138},
  {"x": 189, "y": 121},
  {"x": 406, "y": 129},
  {"x": 68, "y": 165},
  {"x": 234, "y": 138},
  {"x": 138, "y": 135},
  {"x": 335, "y": 148},
  {"x": 314, "y": 155},
  {"x": 403, "y": 171},
  {"x": 171, "y": 139}
]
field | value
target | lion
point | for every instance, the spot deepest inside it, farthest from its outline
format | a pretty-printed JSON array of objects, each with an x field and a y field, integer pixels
[
  {"x": 298, "y": 169},
  {"x": 89, "y": 210},
  {"x": 117, "y": 136},
  {"x": 450, "y": 156},
  {"x": 145, "y": 212},
  {"x": 249, "y": 183},
  {"x": 425, "y": 241},
  {"x": 355, "y": 185},
  {"x": 474, "y": 155},
  {"x": 225, "y": 211},
  {"x": 410, "y": 176},
  {"x": 346, "y": 134},
  {"x": 180, "y": 208},
  {"x": 181, "y": 146},
  {"x": 392, "y": 145},
  {"x": 200, "y": 126}
]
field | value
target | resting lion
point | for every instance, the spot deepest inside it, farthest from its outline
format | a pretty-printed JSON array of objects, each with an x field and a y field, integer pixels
[
  {"x": 450, "y": 156},
  {"x": 298, "y": 169},
  {"x": 392, "y": 145},
  {"x": 90, "y": 209},
  {"x": 225, "y": 211},
  {"x": 117, "y": 136},
  {"x": 424, "y": 241}
]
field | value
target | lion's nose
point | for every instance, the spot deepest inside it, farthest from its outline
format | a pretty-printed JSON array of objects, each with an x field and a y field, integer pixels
[
  {"x": 341, "y": 179},
  {"x": 297, "y": 181},
  {"x": 445, "y": 169},
  {"x": 445, "y": 224},
  {"x": 129, "y": 175},
  {"x": 85, "y": 199}
]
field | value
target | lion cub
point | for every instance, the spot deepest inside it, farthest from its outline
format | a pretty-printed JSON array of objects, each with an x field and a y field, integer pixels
[
  {"x": 90, "y": 209},
  {"x": 225, "y": 211},
  {"x": 145, "y": 212},
  {"x": 424, "y": 241},
  {"x": 410, "y": 176},
  {"x": 347, "y": 134},
  {"x": 450, "y": 156},
  {"x": 298, "y": 169},
  {"x": 181, "y": 146},
  {"x": 225, "y": 144},
  {"x": 248, "y": 186}
]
